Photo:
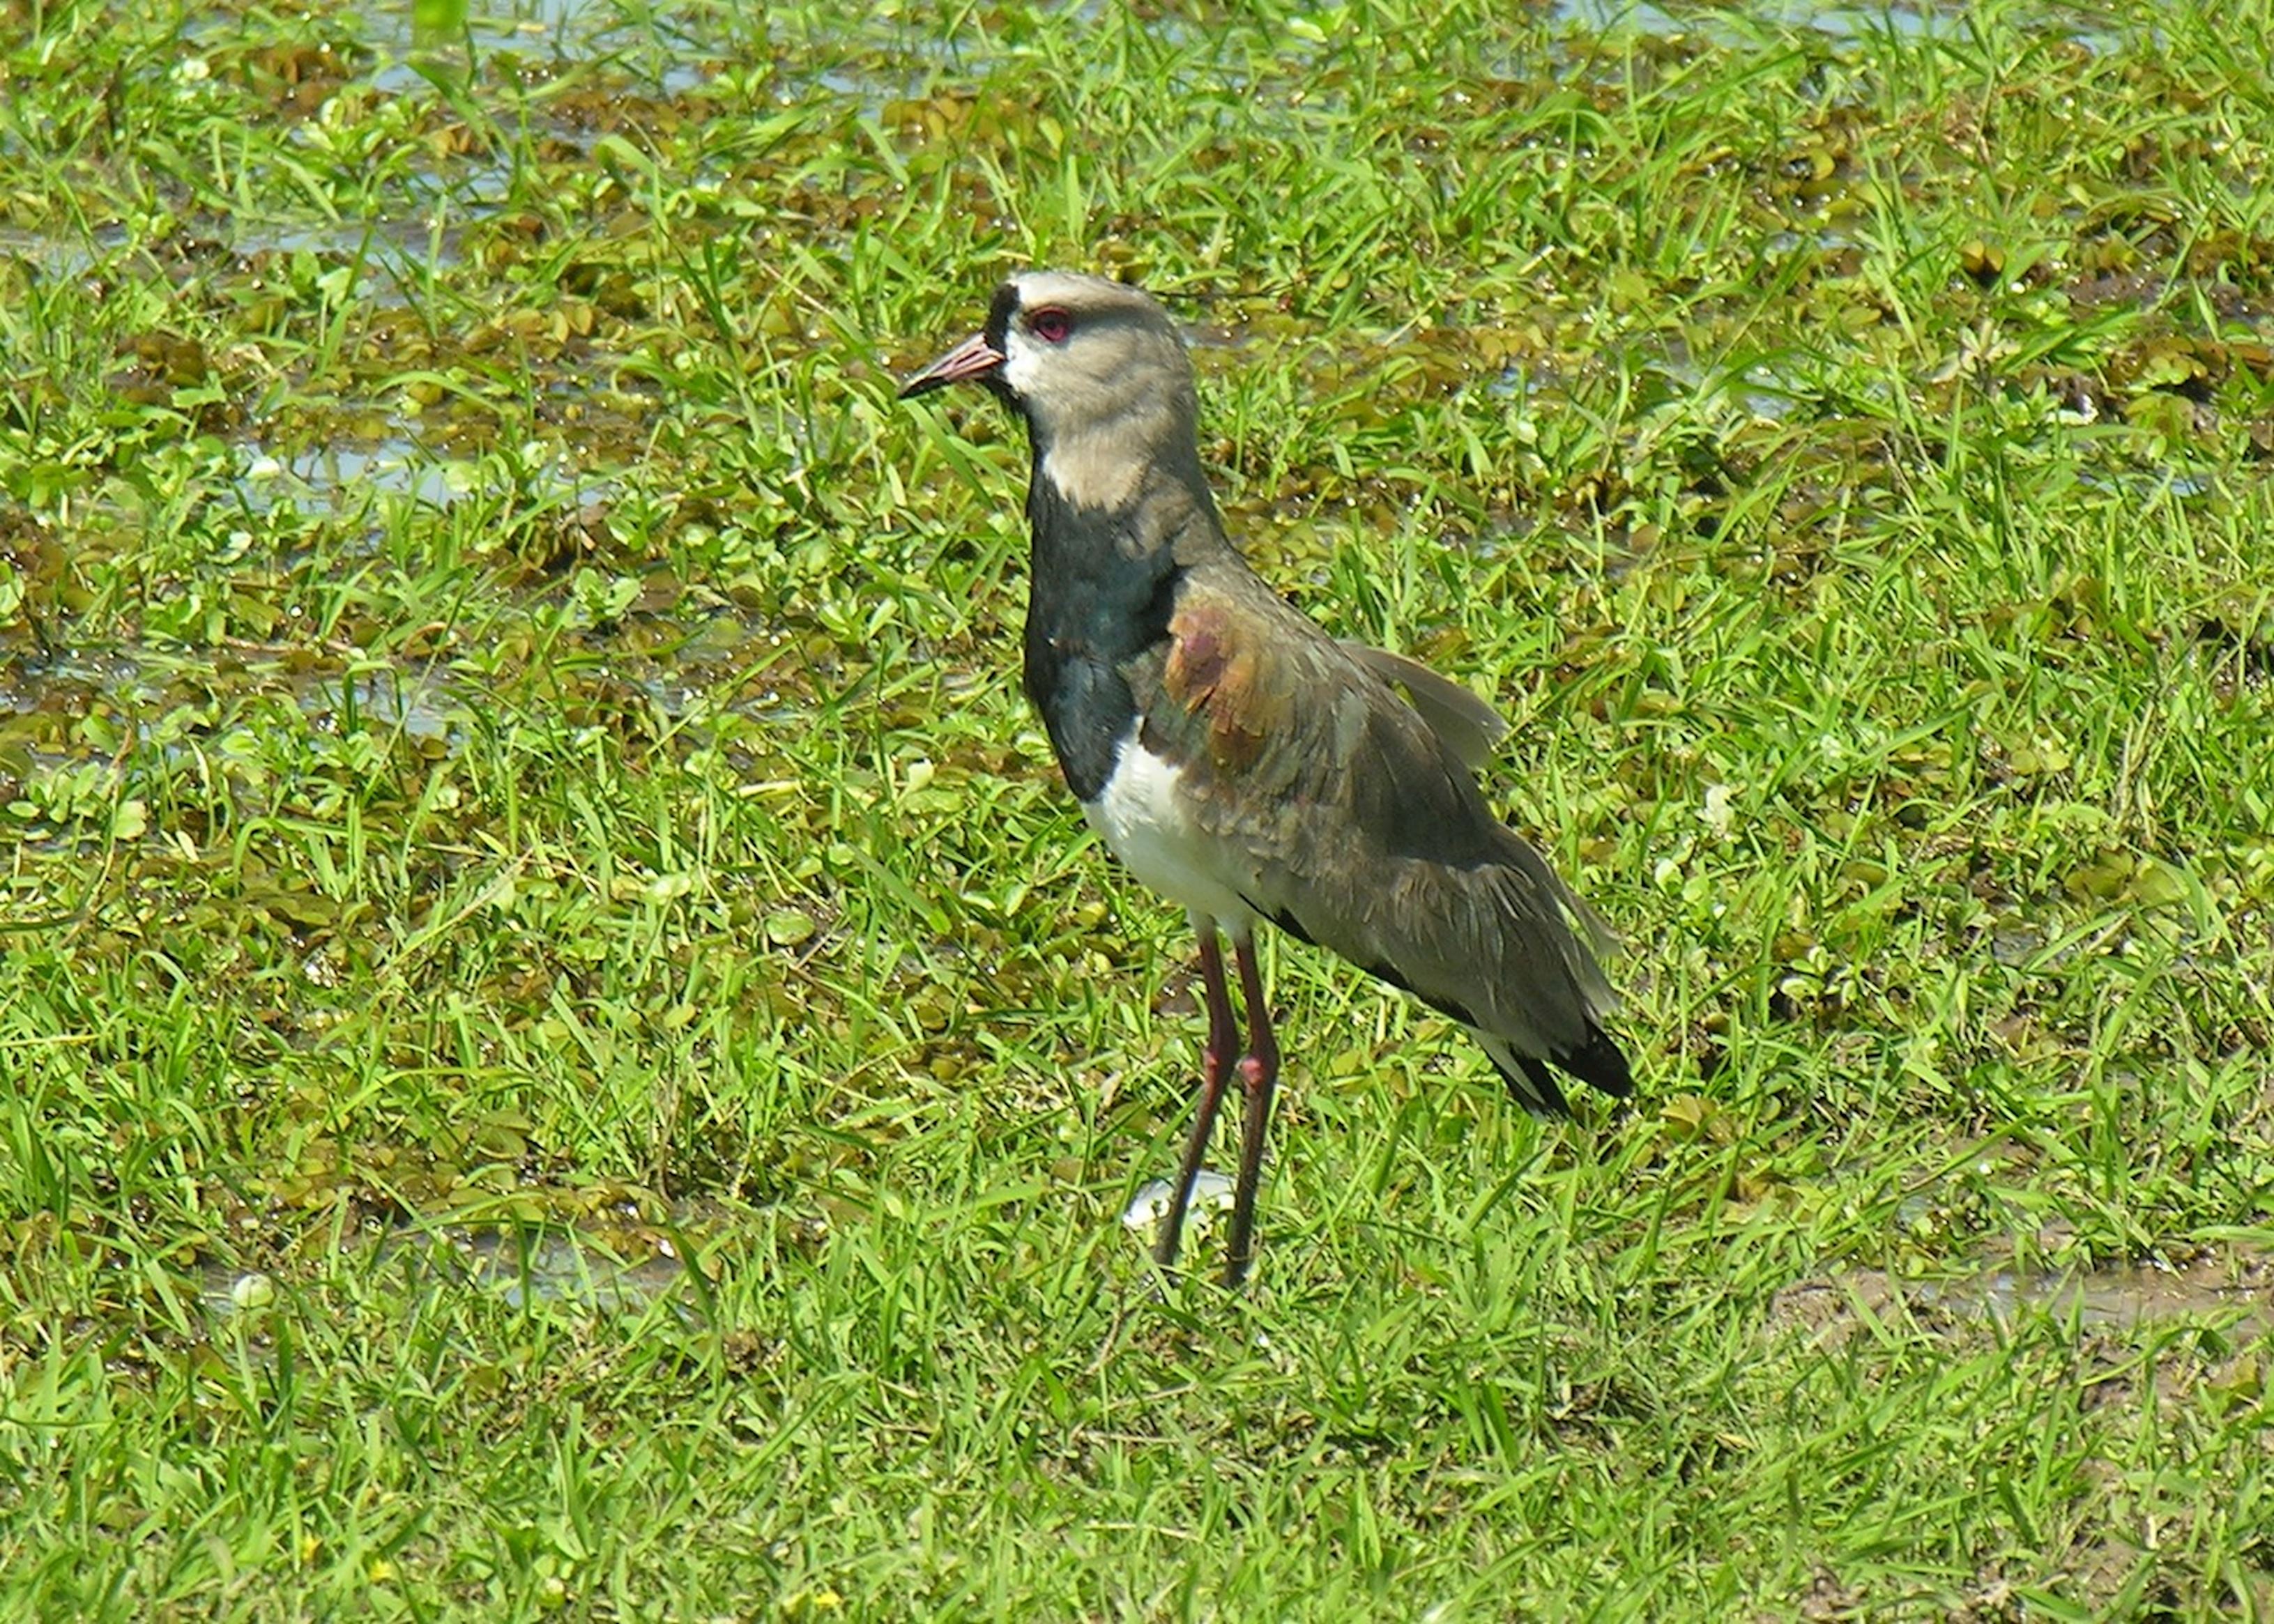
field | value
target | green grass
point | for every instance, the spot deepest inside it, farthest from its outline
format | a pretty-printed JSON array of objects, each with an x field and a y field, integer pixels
[{"x": 507, "y": 728}]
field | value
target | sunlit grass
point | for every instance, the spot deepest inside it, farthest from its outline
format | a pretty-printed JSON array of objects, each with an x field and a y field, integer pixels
[{"x": 505, "y": 721}]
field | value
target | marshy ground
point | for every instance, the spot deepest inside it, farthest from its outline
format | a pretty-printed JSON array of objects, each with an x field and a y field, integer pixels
[{"x": 563, "y": 1052}]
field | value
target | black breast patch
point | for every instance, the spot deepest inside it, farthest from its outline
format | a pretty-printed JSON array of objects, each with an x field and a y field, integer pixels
[{"x": 1095, "y": 601}]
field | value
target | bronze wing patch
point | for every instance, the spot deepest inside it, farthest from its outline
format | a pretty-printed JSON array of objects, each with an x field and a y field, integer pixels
[{"x": 1217, "y": 672}]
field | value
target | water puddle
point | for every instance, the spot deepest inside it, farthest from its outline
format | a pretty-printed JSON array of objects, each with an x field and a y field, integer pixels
[
  {"x": 407, "y": 56},
  {"x": 2107, "y": 1300},
  {"x": 57, "y": 256},
  {"x": 379, "y": 260},
  {"x": 2235, "y": 1295},
  {"x": 342, "y": 475},
  {"x": 522, "y": 1267},
  {"x": 1611, "y": 17},
  {"x": 722, "y": 663},
  {"x": 420, "y": 703},
  {"x": 393, "y": 467},
  {"x": 71, "y": 785},
  {"x": 690, "y": 666},
  {"x": 525, "y": 1266},
  {"x": 1841, "y": 23},
  {"x": 69, "y": 680}
]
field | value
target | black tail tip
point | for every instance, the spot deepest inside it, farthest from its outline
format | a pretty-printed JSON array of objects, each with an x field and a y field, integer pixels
[{"x": 1599, "y": 1063}]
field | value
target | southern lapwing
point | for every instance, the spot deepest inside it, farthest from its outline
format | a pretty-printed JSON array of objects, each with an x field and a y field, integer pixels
[{"x": 1241, "y": 762}]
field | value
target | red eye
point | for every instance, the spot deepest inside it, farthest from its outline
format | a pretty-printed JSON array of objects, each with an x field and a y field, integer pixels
[{"x": 1050, "y": 324}]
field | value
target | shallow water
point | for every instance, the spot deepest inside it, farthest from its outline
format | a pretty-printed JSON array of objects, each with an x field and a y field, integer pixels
[
  {"x": 2234, "y": 1294},
  {"x": 522, "y": 1266}
]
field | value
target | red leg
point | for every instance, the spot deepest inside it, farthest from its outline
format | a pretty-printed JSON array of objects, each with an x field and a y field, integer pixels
[
  {"x": 1216, "y": 1060},
  {"x": 1259, "y": 1075}
]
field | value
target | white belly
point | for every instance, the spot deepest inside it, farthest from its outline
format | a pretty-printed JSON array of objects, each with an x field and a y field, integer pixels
[{"x": 1143, "y": 820}]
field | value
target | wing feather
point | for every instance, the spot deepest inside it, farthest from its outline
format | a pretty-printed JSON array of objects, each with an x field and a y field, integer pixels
[{"x": 1353, "y": 817}]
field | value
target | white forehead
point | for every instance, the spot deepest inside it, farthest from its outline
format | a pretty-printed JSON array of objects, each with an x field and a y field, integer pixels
[{"x": 1037, "y": 288}]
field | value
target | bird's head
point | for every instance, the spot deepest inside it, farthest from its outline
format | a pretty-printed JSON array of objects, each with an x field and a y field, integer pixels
[{"x": 1096, "y": 369}]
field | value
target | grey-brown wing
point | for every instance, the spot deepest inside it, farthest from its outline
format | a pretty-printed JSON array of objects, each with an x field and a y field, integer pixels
[
  {"x": 1470, "y": 727},
  {"x": 1340, "y": 813}
]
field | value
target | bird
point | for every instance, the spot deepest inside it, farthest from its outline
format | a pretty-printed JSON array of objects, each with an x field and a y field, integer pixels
[{"x": 1243, "y": 763}]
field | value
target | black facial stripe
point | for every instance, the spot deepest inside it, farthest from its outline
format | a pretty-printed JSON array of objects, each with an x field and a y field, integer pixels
[{"x": 998, "y": 317}]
